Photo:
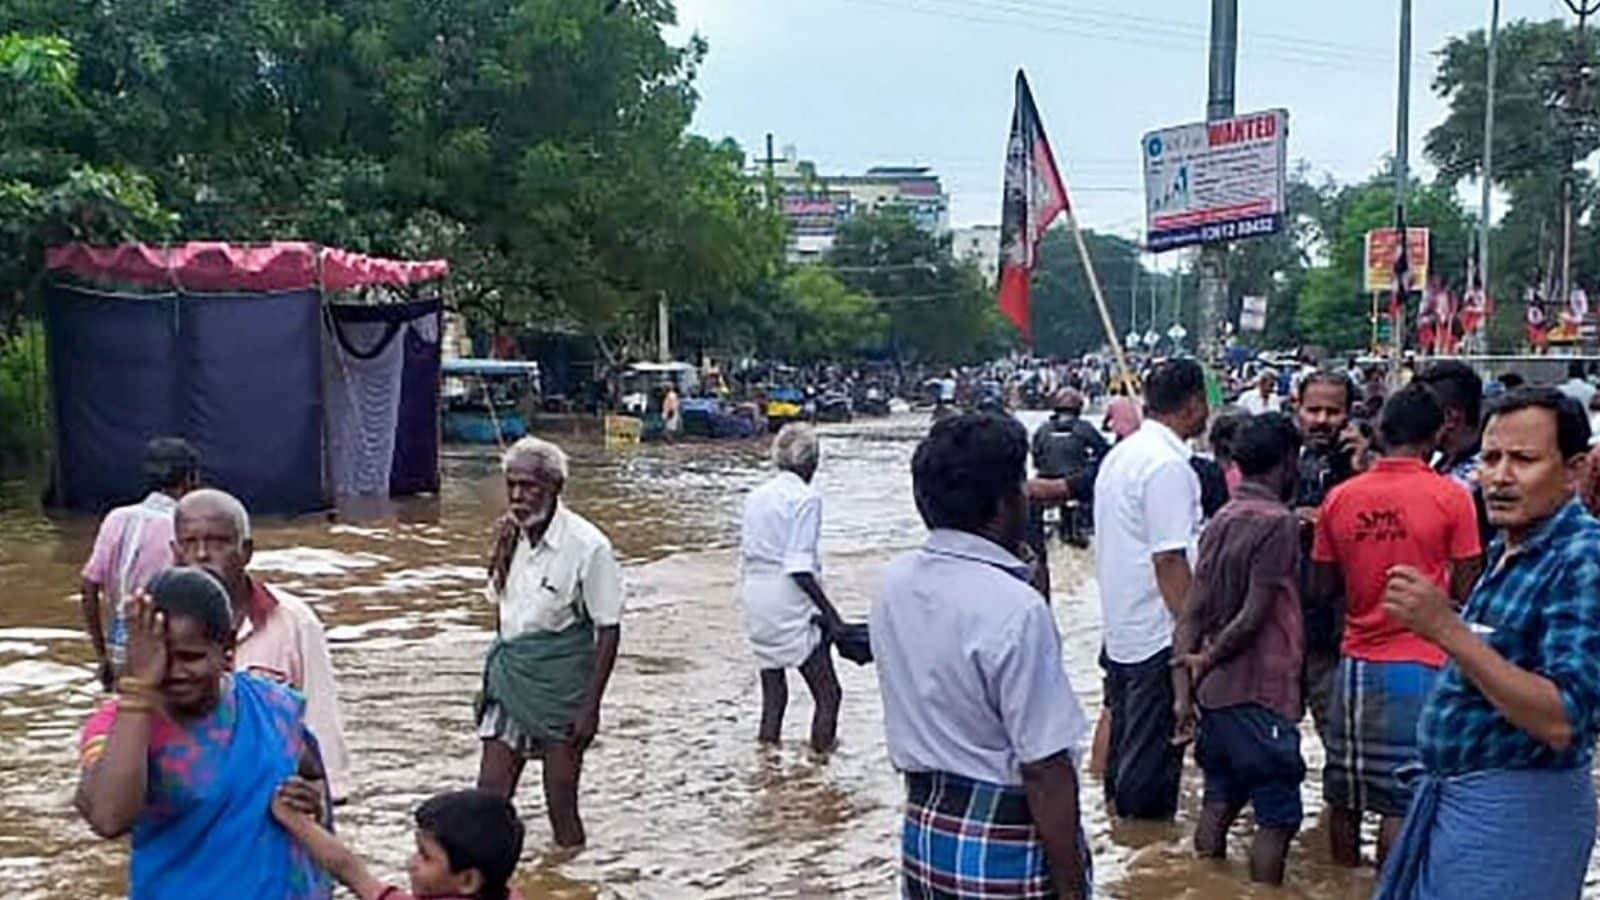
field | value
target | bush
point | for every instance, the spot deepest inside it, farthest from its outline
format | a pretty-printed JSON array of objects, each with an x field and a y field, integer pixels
[{"x": 24, "y": 396}]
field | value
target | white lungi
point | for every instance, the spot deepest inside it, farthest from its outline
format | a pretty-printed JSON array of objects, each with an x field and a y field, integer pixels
[{"x": 777, "y": 617}]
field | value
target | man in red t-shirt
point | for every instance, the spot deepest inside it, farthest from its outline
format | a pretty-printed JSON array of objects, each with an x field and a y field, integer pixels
[{"x": 1398, "y": 513}]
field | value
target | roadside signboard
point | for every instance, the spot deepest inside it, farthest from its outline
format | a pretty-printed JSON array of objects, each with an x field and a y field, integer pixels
[
  {"x": 1253, "y": 314},
  {"x": 1215, "y": 181},
  {"x": 1383, "y": 250}
]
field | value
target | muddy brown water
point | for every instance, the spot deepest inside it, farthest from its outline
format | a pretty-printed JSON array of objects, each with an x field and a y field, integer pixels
[{"x": 678, "y": 799}]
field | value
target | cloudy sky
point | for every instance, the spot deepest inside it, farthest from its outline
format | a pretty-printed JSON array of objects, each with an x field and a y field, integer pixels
[{"x": 854, "y": 83}]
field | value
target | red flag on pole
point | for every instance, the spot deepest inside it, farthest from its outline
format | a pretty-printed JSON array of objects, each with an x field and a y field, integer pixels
[{"x": 1034, "y": 196}]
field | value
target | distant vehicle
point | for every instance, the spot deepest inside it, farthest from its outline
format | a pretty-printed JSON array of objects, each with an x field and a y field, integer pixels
[
  {"x": 485, "y": 401},
  {"x": 873, "y": 402},
  {"x": 784, "y": 405},
  {"x": 834, "y": 406},
  {"x": 640, "y": 380}
]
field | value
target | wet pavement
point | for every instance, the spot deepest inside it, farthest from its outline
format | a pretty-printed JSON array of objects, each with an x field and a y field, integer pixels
[{"x": 678, "y": 799}]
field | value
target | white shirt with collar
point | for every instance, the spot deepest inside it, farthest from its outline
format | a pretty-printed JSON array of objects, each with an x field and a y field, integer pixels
[
  {"x": 1253, "y": 403},
  {"x": 573, "y": 566},
  {"x": 1146, "y": 501},
  {"x": 782, "y": 525},
  {"x": 969, "y": 664}
]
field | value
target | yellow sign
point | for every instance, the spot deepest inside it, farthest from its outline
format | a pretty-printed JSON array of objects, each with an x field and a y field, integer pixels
[
  {"x": 622, "y": 431},
  {"x": 1383, "y": 251}
]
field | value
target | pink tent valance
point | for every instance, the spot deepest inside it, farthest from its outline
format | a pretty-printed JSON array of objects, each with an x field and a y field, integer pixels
[{"x": 213, "y": 266}]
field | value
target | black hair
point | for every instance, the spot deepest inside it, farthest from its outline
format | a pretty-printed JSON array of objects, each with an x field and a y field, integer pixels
[
  {"x": 964, "y": 468},
  {"x": 1224, "y": 429},
  {"x": 196, "y": 594},
  {"x": 1511, "y": 381},
  {"x": 1411, "y": 416},
  {"x": 1172, "y": 384},
  {"x": 1572, "y": 423},
  {"x": 1457, "y": 386},
  {"x": 170, "y": 462},
  {"x": 1575, "y": 369},
  {"x": 1265, "y": 442},
  {"x": 478, "y": 830},
  {"x": 1328, "y": 376}
]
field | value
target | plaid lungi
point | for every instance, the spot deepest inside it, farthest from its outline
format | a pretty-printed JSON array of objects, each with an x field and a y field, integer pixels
[
  {"x": 1372, "y": 734},
  {"x": 973, "y": 839}
]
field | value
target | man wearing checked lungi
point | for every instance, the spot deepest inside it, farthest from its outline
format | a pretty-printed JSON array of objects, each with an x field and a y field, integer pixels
[
  {"x": 979, "y": 714},
  {"x": 1506, "y": 805},
  {"x": 1398, "y": 513}
]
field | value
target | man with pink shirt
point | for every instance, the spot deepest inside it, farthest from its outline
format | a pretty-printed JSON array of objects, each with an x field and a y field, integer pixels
[
  {"x": 133, "y": 544},
  {"x": 277, "y": 635}
]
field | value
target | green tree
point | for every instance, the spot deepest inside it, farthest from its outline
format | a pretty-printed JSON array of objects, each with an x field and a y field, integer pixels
[
  {"x": 1533, "y": 125},
  {"x": 828, "y": 320},
  {"x": 938, "y": 310},
  {"x": 1334, "y": 309}
]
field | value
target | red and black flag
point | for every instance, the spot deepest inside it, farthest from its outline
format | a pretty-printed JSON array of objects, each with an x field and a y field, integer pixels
[{"x": 1034, "y": 196}]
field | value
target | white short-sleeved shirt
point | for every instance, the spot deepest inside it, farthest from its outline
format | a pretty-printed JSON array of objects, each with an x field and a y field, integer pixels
[
  {"x": 1253, "y": 403},
  {"x": 572, "y": 567},
  {"x": 782, "y": 525},
  {"x": 969, "y": 664},
  {"x": 1146, "y": 501}
]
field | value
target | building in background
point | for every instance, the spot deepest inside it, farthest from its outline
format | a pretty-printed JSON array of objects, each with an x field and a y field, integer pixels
[
  {"x": 817, "y": 205},
  {"x": 979, "y": 244}
]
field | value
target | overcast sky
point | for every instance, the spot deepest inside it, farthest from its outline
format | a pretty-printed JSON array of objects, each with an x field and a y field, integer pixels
[{"x": 855, "y": 83}]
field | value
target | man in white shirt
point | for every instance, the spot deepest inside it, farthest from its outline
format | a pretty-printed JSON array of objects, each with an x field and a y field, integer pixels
[
  {"x": 277, "y": 635},
  {"x": 558, "y": 589},
  {"x": 1577, "y": 386},
  {"x": 1147, "y": 523},
  {"x": 1264, "y": 398},
  {"x": 978, "y": 712},
  {"x": 778, "y": 583}
]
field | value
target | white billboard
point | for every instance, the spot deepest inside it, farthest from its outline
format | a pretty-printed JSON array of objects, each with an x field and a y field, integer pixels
[{"x": 1215, "y": 181}]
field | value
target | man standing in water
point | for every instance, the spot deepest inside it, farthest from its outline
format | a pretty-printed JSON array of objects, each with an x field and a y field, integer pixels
[
  {"x": 978, "y": 712},
  {"x": 1398, "y": 512},
  {"x": 132, "y": 545},
  {"x": 1506, "y": 807},
  {"x": 1146, "y": 523},
  {"x": 1333, "y": 452},
  {"x": 779, "y": 571},
  {"x": 1238, "y": 647},
  {"x": 558, "y": 589},
  {"x": 276, "y": 634}
]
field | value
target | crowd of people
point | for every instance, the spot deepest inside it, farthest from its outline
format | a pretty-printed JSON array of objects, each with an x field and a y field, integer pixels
[{"x": 1416, "y": 573}]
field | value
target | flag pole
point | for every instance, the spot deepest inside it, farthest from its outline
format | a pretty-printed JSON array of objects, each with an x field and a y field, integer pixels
[{"x": 1100, "y": 302}]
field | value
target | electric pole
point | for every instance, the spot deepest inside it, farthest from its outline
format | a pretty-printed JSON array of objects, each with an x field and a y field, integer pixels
[
  {"x": 1480, "y": 339},
  {"x": 1219, "y": 105},
  {"x": 1576, "y": 119},
  {"x": 1402, "y": 174}
]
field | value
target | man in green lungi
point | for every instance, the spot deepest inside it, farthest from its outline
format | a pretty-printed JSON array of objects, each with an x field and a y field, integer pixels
[{"x": 558, "y": 588}]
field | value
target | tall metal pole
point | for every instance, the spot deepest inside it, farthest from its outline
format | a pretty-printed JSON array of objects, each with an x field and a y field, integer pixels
[
  {"x": 1402, "y": 145},
  {"x": 1481, "y": 338},
  {"x": 1576, "y": 82},
  {"x": 1219, "y": 105}
]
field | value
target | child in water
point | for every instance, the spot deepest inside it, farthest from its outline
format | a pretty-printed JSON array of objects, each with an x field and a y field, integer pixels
[{"x": 468, "y": 843}]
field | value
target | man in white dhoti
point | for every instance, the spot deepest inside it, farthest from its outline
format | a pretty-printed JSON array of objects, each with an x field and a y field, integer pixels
[{"x": 782, "y": 596}]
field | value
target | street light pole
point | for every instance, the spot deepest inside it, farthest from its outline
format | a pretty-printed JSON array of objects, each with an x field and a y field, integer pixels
[
  {"x": 1577, "y": 80},
  {"x": 1480, "y": 340},
  {"x": 1219, "y": 105},
  {"x": 1402, "y": 175}
]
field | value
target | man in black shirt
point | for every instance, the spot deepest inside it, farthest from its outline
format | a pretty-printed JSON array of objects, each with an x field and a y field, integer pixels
[
  {"x": 1070, "y": 449},
  {"x": 1334, "y": 450}
]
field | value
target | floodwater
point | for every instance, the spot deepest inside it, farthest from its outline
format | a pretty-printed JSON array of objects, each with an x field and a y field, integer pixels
[{"x": 678, "y": 799}]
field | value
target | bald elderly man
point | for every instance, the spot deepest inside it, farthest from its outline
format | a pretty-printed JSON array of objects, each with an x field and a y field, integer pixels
[{"x": 277, "y": 635}]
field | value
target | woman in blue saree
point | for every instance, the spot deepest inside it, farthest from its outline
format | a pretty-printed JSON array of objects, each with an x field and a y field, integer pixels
[{"x": 188, "y": 755}]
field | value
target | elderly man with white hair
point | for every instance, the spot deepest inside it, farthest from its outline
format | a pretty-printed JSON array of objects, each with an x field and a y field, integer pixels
[
  {"x": 276, "y": 634},
  {"x": 558, "y": 588},
  {"x": 782, "y": 596}
]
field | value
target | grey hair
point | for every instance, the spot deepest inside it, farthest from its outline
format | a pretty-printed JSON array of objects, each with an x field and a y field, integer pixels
[
  {"x": 795, "y": 447},
  {"x": 227, "y": 503},
  {"x": 543, "y": 455}
]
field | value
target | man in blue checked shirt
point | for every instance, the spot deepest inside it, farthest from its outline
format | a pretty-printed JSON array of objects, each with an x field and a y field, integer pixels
[
  {"x": 1506, "y": 806},
  {"x": 977, "y": 708}
]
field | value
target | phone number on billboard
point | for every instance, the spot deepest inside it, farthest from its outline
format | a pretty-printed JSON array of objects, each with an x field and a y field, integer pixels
[{"x": 1243, "y": 228}]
